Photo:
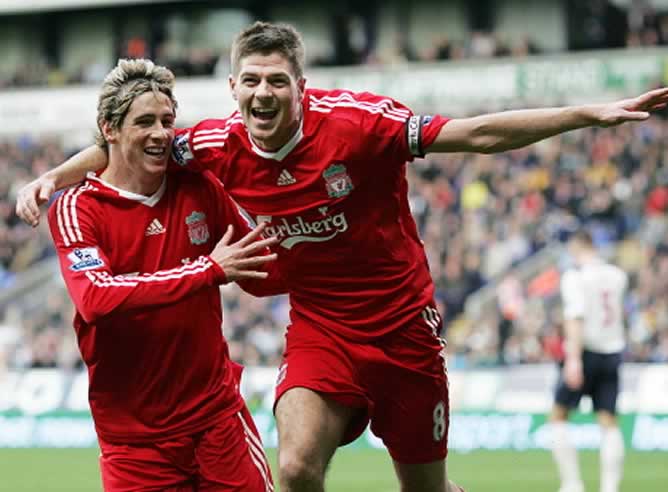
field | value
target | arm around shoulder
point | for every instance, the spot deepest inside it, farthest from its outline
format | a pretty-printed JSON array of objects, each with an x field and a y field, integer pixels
[{"x": 73, "y": 170}]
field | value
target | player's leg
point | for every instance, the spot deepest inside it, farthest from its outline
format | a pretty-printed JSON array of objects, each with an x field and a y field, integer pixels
[
  {"x": 563, "y": 450},
  {"x": 231, "y": 458},
  {"x": 604, "y": 398},
  {"x": 319, "y": 405},
  {"x": 310, "y": 428},
  {"x": 425, "y": 477},
  {"x": 144, "y": 467},
  {"x": 406, "y": 378},
  {"x": 612, "y": 452}
]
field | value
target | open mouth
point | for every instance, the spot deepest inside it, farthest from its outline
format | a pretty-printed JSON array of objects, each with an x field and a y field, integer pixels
[
  {"x": 155, "y": 151},
  {"x": 264, "y": 114}
]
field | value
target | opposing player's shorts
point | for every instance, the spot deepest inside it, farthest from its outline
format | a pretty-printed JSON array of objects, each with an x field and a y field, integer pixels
[
  {"x": 399, "y": 382},
  {"x": 601, "y": 382},
  {"x": 226, "y": 457}
]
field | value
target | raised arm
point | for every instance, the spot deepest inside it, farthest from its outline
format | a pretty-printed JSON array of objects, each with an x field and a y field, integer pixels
[
  {"x": 72, "y": 171},
  {"x": 497, "y": 132}
]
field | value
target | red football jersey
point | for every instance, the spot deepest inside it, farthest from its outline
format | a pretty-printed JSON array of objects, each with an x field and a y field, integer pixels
[
  {"x": 336, "y": 196},
  {"x": 149, "y": 316}
]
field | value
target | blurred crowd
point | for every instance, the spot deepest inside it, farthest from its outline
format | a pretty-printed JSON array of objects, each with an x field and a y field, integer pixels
[
  {"x": 351, "y": 38},
  {"x": 480, "y": 216},
  {"x": 210, "y": 61},
  {"x": 20, "y": 161}
]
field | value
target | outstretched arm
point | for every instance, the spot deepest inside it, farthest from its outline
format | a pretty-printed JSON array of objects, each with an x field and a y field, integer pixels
[
  {"x": 497, "y": 132},
  {"x": 72, "y": 171}
]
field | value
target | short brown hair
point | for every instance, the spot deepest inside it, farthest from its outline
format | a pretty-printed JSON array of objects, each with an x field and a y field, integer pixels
[
  {"x": 583, "y": 237},
  {"x": 266, "y": 38},
  {"x": 128, "y": 80}
]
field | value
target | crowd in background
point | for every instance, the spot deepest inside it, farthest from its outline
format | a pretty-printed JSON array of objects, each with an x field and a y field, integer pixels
[
  {"x": 210, "y": 61},
  {"x": 20, "y": 161},
  {"x": 479, "y": 216},
  {"x": 353, "y": 39}
]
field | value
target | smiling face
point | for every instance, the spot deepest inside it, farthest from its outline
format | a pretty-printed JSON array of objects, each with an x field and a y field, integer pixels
[
  {"x": 143, "y": 141},
  {"x": 269, "y": 96}
]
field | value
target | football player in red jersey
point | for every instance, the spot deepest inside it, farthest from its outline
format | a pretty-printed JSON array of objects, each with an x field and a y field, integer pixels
[
  {"x": 325, "y": 169},
  {"x": 142, "y": 253}
]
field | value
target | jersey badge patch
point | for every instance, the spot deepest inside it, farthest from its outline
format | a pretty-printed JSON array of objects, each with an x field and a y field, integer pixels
[
  {"x": 181, "y": 150},
  {"x": 198, "y": 230},
  {"x": 337, "y": 181},
  {"x": 84, "y": 259}
]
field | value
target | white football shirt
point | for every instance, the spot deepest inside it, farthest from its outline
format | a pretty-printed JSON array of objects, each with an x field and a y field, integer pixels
[{"x": 594, "y": 293}]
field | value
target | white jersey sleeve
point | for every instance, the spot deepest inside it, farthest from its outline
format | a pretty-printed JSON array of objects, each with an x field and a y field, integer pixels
[{"x": 572, "y": 295}]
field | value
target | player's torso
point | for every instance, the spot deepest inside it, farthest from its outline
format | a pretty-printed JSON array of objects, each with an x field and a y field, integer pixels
[
  {"x": 140, "y": 351},
  {"x": 162, "y": 233},
  {"x": 147, "y": 237},
  {"x": 603, "y": 287},
  {"x": 348, "y": 245},
  {"x": 331, "y": 210}
]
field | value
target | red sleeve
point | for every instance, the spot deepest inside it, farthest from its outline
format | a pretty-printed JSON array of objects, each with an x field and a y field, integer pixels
[
  {"x": 231, "y": 213},
  {"x": 380, "y": 125},
  {"x": 94, "y": 288},
  {"x": 204, "y": 146}
]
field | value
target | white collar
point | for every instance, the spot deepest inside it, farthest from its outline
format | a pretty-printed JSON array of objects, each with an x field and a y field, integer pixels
[
  {"x": 281, "y": 153},
  {"x": 149, "y": 201}
]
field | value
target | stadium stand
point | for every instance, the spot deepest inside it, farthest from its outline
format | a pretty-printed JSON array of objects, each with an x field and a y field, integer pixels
[
  {"x": 480, "y": 217},
  {"x": 193, "y": 37},
  {"x": 483, "y": 218}
]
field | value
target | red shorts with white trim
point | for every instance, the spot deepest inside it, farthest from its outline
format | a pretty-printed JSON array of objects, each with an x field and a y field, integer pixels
[
  {"x": 226, "y": 457},
  {"x": 399, "y": 382}
]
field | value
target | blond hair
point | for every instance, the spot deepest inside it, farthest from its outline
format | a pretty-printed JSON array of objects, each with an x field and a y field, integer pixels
[{"x": 128, "y": 80}]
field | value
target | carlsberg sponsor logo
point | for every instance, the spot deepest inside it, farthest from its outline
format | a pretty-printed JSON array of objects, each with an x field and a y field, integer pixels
[{"x": 299, "y": 231}]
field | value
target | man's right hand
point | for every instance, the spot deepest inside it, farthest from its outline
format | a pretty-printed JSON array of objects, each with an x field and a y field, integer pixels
[
  {"x": 31, "y": 196},
  {"x": 573, "y": 374},
  {"x": 240, "y": 260}
]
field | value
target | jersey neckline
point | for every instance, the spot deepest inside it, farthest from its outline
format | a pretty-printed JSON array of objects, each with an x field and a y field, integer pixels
[{"x": 149, "y": 201}]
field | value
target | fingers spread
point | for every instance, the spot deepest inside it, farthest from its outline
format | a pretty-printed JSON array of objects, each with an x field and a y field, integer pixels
[
  {"x": 225, "y": 240},
  {"x": 258, "y": 246},
  {"x": 254, "y": 261},
  {"x": 252, "y": 235},
  {"x": 248, "y": 274}
]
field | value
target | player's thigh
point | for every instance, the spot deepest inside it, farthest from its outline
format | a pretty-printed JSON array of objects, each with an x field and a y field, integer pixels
[
  {"x": 605, "y": 385},
  {"x": 425, "y": 477},
  {"x": 565, "y": 397},
  {"x": 231, "y": 457},
  {"x": 127, "y": 468},
  {"x": 326, "y": 365},
  {"x": 409, "y": 390},
  {"x": 310, "y": 428},
  {"x": 412, "y": 418}
]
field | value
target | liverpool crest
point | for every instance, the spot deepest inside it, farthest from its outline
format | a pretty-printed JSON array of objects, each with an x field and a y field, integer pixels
[
  {"x": 337, "y": 181},
  {"x": 198, "y": 231}
]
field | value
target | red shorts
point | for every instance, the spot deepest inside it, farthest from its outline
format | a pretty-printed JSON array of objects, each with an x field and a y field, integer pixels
[
  {"x": 399, "y": 381},
  {"x": 226, "y": 457}
]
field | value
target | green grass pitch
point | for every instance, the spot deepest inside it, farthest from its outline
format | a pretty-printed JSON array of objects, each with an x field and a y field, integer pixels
[{"x": 76, "y": 470}]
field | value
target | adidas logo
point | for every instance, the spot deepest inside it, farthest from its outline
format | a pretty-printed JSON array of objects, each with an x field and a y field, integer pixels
[
  {"x": 155, "y": 228},
  {"x": 285, "y": 178}
]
